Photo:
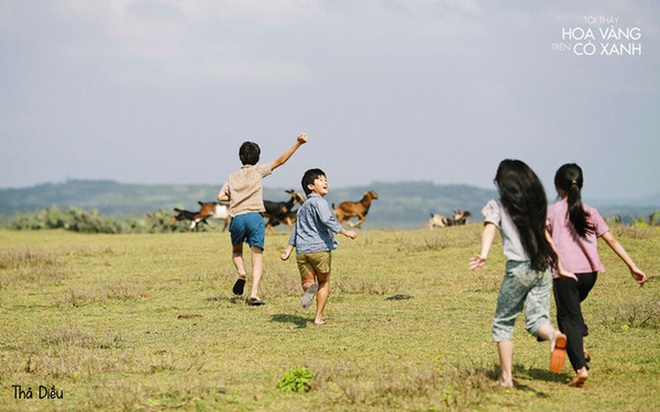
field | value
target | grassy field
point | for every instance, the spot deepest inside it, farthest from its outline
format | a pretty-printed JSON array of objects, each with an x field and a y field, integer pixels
[{"x": 148, "y": 322}]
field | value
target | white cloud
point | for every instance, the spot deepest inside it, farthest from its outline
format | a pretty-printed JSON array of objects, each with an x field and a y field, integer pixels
[
  {"x": 272, "y": 12},
  {"x": 131, "y": 20},
  {"x": 464, "y": 5},
  {"x": 167, "y": 31},
  {"x": 223, "y": 64},
  {"x": 137, "y": 35}
]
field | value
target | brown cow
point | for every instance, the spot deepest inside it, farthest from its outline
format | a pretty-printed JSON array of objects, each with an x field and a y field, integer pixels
[{"x": 347, "y": 210}]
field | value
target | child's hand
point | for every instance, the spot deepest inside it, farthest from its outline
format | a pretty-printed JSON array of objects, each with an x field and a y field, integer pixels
[
  {"x": 302, "y": 138},
  {"x": 285, "y": 255},
  {"x": 638, "y": 275},
  {"x": 562, "y": 273},
  {"x": 477, "y": 262},
  {"x": 350, "y": 233}
]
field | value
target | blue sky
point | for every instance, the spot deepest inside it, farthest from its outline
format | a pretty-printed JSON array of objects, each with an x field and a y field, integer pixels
[{"x": 164, "y": 91}]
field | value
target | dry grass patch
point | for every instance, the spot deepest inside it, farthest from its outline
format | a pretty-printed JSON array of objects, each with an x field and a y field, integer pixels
[
  {"x": 80, "y": 338},
  {"x": 407, "y": 387},
  {"x": 29, "y": 268},
  {"x": 351, "y": 285},
  {"x": 643, "y": 312},
  {"x": 634, "y": 232},
  {"x": 81, "y": 295}
]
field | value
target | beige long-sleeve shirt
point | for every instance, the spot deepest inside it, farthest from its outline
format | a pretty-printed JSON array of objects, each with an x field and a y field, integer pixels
[{"x": 245, "y": 190}]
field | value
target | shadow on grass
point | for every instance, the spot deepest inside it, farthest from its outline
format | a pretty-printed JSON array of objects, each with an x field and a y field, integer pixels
[
  {"x": 540, "y": 375},
  {"x": 234, "y": 299},
  {"x": 535, "y": 392},
  {"x": 546, "y": 375},
  {"x": 519, "y": 371},
  {"x": 299, "y": 321},
  {"x": 522, "y": 372}
]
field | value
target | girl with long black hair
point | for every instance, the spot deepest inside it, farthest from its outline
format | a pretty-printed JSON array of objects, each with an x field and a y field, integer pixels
[
  {"x": 575, "y": 229},
  {"x": 520, "y": 215}
]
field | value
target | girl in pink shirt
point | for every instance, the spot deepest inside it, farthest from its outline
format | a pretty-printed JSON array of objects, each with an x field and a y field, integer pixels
[{"x": 575, "y": 229}]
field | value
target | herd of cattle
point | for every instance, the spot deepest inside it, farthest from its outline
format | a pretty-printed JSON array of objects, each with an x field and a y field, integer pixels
[{"x": 284, "y": 213}]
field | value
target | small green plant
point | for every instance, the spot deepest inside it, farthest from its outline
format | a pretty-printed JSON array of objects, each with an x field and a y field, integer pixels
[{"x": 296, "y": 379}]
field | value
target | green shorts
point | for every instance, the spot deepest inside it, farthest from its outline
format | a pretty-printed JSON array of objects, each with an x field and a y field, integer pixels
[{"x": 317, "y": 262}]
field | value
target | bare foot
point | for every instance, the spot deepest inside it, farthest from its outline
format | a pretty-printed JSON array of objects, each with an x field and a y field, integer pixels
[
  {"x": 580, "y": 378},
  {"x": 255, "y": 301},
  {"x": 319, "y": 322},
  {"x": 506, "y": 383}
]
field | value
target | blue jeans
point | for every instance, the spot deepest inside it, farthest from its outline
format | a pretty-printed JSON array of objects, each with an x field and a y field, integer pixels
[{"x": 522, "y": 287}]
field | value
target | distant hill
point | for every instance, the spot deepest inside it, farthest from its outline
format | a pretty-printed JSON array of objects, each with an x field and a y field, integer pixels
[
  {"x": 108, "y": 197},
  {"x": 400, "y": 205}
]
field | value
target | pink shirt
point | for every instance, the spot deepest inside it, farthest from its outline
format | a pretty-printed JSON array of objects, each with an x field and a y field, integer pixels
[{"x": 577, "y": 254}]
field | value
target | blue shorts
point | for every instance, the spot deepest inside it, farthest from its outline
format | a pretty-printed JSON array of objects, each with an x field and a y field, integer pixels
[{"x": 249, "y": 228}]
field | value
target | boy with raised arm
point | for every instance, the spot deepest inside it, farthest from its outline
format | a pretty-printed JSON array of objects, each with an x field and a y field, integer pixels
[{"x": 244, "y": 190}]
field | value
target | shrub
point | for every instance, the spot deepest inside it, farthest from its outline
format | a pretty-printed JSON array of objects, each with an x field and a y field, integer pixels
[
  {"x": 79, "y": 220},
  {"x": 73, "y": 219},
  {"x": 296, "y": 379}
]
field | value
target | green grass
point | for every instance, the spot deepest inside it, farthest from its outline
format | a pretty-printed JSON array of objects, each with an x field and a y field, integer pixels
[{"x": 148, "y": 322}]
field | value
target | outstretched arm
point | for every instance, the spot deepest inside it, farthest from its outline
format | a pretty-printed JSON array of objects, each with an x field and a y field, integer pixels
[
  {"x": 638, "y": 275},
  {"x": 348, "y": 233},
  {"x": 478, "y": 261},
  {"x": 300, "y": 140}
]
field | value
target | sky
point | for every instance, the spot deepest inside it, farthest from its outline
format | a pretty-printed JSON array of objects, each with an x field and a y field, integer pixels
[{"x": 165, "y": 91}]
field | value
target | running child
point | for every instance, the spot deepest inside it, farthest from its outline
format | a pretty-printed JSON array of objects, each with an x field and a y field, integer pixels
[
  {"x": 520, "y": 216},
  {"x": 244, "y": 190},
  {"x": 313, "y": 238},
  {"x": 575, "y": 229}
]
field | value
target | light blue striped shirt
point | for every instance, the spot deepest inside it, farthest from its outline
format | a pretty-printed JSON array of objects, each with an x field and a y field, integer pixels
[{"x": 315, "y": 227}]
